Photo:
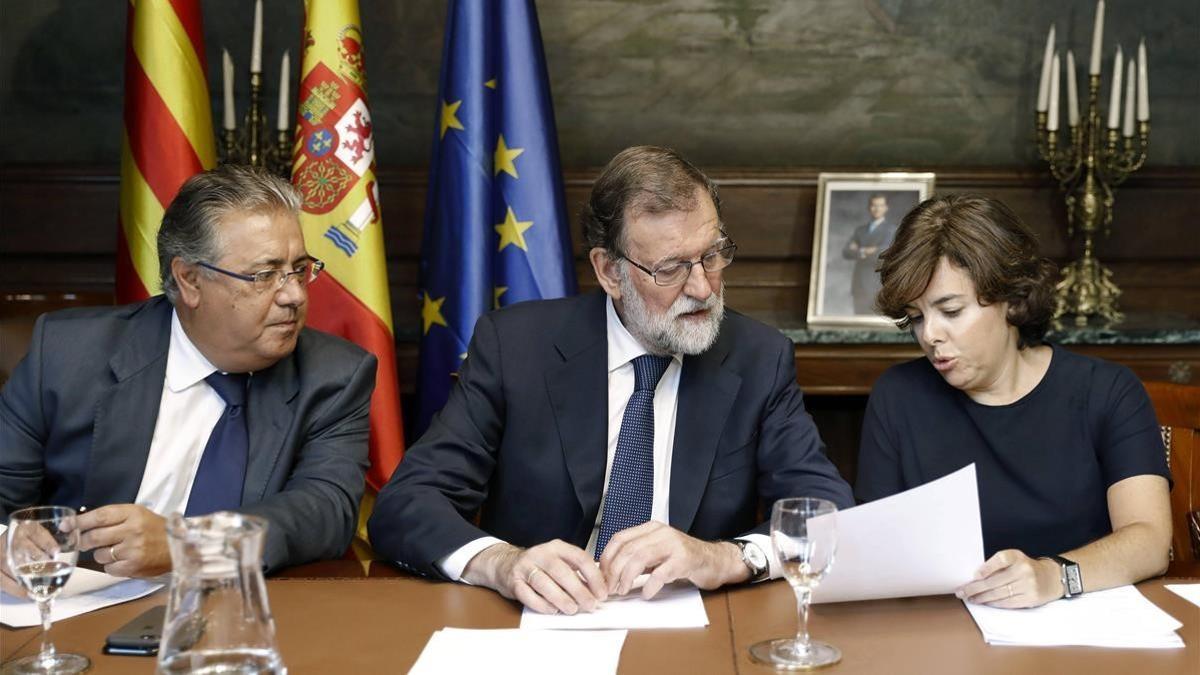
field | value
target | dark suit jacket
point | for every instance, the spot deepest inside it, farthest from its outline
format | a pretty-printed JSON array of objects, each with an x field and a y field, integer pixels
[
  {"x": 78, "y": 415},
  {"x": 864, "y": 285},
  {"x": 524, "y": 436}
]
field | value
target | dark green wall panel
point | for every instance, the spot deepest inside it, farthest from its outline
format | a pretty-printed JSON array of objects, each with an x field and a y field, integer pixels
[{"x": 729, "y": 82}]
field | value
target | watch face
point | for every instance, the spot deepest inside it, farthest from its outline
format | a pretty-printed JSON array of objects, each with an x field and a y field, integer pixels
[
  {"x": 1074, "y": 582},
  {"x": 756, "y": 556}
]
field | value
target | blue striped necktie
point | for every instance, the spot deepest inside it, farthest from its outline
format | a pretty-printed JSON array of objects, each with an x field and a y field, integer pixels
[
  {"x": 630, "y": 493},
  {"x": 222, "y": 470}
]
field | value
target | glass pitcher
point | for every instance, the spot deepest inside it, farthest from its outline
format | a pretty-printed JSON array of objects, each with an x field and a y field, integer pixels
[{"x": 218, "y": 619}]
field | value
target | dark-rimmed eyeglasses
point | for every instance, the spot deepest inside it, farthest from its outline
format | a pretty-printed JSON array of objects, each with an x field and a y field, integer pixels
[
  {"x": 273, "y": 280},
  {"x": 675, "y": 273}
]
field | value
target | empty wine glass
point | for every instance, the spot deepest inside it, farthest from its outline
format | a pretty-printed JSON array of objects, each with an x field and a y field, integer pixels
[
  {"x": 43, "y": 544},
  {"x": 805, "y": 548}
]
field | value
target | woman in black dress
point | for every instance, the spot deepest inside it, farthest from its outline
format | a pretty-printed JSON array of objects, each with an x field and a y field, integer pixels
[{"x": 1073, "y": 481}]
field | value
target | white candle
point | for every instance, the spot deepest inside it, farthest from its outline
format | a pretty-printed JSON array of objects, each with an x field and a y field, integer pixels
[
  {"x": 227, "y": 73},
  {"x": 1114, "y": 98},
  {"x": 1072, "y": 91},
  {"x": 1129, "y": 79},
  {"x": 285, "y": 69},
  {"x": 1044, "y": 81},
  {"x": 256, "y": 44},
  {"x": 1097, "y": 39},
  {"x": 1143, "y": 88},
  {"x": 1052, "y": 123}
]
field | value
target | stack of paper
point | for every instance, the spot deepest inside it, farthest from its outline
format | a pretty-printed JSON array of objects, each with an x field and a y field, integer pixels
[
  {"x": 675, "y": 606},
  {"x": 451, "y": 651},
  {"x": 1189, "y": 592},
  {"x": 85, "y": 591},
  {"x": 1118, "y": 617}
]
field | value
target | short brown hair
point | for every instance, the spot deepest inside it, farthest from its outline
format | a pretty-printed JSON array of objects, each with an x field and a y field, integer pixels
[
  {"x": 644, "y": 179},
  {"x": 989, "y": 242}
]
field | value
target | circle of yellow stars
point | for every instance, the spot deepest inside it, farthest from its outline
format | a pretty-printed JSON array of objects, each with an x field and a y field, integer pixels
[{"x": 511, "y": 232}]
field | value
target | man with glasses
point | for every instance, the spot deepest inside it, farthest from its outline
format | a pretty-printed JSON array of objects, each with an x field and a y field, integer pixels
[
  {"x": 210, "y": 397},
  {"x": 631, "y": 436}
]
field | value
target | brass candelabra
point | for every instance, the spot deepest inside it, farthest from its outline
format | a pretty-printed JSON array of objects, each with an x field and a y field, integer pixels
[
  {"x": 249, "y": 144},
  {"x": 1088, "y": 169}
]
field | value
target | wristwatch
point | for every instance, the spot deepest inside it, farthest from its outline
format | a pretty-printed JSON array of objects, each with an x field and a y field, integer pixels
[
  {"x": 753, "y": 557},
  {"x": 1072, "y": 579}
]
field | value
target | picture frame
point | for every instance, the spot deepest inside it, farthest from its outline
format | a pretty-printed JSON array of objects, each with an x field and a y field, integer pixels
[{"x": 848, "y": 236}]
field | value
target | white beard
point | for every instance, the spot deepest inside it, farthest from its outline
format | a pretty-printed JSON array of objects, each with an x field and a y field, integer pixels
[{"x": 667, "y": 333}]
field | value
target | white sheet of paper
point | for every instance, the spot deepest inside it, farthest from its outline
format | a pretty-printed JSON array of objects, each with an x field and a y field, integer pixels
[
  {"x": 675, "y": 606},
  {"x": 86, "y": 591},
  {"x": 452, "y": 651},
  {"x": 923, "y": 541},
  {"x": 1189, "y": 592},
  {"x": 1117, "y": 617}
]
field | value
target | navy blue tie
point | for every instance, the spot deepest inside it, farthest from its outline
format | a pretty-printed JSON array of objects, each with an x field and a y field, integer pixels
[
  {"x": 222, "y": 471},
  {"x": 630, "y": 494}
]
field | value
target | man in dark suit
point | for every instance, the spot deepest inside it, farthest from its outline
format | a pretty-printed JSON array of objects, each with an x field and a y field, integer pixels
[
  {"x": 644, "y": 427},
  {"x": 212, "y": 397},
  {"x": 864, "y": 247}
]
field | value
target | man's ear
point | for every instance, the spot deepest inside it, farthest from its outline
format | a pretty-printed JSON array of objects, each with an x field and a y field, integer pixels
[
  {"x": 606, "y": 271},
  {"x": 187, "y": 279}
]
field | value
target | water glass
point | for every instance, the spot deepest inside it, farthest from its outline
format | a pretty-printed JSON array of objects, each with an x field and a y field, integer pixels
[
  {"x": 42, "y": 545},
  {"x": 804, "y": 539}
]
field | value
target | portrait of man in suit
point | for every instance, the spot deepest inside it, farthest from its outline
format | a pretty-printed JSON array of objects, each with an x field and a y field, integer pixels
[
  {"x": 864, "y": 247},
  {"x": 212, "y": 396},
  {"x": 856, "y": 220},
  {"x": 636, "y": 433}
]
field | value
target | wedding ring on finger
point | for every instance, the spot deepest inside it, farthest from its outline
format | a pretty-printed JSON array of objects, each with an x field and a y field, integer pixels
[
  {"x": 532, "y": 572},
  {"x": 1009, "y": 587},
  {"x": 112, "y": 552}
]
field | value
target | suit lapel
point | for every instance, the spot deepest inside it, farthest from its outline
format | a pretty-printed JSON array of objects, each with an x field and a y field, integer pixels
[
  {"x": 706, "y": 395},
  {"x": 126, "y": 416},
  {"x": 578, "y": 396},
  {"x": 268, "y": 414}
]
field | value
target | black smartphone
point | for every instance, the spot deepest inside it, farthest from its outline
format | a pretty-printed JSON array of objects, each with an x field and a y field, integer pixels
[{"x": 138, "y": 637}]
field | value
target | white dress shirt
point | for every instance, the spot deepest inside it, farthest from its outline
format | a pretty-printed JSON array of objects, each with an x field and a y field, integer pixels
[
  {"x": 187, "y": 412},
  {"x": 623, "y": 348}
]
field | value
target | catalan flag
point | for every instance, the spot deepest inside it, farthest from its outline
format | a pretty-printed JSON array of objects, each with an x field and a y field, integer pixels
[
  {"x": 333, "y": 165},
  {"x": 168, "y": 134},
  {"x": 495, "y": 219}
]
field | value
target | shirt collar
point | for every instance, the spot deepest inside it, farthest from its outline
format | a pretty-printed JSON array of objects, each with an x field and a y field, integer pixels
[
  {"x": 622, "y": 346},
  {"x": 185, "y": 364}
]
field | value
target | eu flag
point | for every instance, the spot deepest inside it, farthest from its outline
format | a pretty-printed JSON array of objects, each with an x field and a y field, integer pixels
[{"x": 495, "y": 219}]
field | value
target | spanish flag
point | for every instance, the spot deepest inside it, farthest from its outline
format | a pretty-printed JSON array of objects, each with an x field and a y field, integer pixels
[
  {"x": 168, "y": 134},
  {"x": 333, "y": 165}
]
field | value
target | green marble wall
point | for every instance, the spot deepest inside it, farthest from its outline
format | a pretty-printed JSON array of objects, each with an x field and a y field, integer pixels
[{"x": 864, "y": 83}]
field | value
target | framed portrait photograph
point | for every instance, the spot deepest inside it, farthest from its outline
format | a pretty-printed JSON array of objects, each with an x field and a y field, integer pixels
[{"x": 857, "y": 216}]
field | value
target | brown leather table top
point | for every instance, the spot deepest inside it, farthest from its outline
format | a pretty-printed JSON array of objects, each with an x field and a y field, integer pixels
[
  {"x": 935, "y": 634},
  {"x": 381, "y": 622}
]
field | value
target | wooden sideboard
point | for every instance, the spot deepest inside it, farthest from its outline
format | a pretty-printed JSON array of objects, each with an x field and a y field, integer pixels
[{"x": 833, "y": 362}]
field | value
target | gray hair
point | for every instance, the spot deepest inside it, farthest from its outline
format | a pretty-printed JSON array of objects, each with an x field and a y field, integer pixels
[
  {"x": 191, "y": 225},
  {"x": 644, "y": 179}
]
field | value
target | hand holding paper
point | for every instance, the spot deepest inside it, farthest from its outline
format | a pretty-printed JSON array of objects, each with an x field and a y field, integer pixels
[
  {"x": 1012, "y": 580},
  {"x": 667, "y": 555},
  {"x": 550, "y": 578}
]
